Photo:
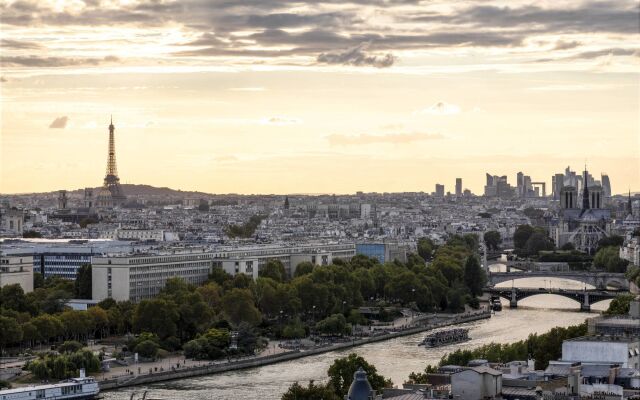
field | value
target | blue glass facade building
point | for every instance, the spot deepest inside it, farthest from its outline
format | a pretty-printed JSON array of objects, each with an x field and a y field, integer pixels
[{"x": 373, "y": 250}]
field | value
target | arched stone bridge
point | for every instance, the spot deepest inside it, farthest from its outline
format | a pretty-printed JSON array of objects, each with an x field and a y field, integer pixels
[
  {"x": 584, "y": 297},
  {"x": 600, "y": 280}
]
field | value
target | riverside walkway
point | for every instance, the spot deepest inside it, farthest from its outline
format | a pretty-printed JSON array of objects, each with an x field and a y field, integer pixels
[{"x": 189, "y": 368}]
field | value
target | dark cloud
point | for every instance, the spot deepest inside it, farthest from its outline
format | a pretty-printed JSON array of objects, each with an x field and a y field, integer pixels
[
  {"x": 608, "y": 52},
  {"x": 59, "y": 123},
  {"x": 291, "y": 20},
  {"x": 590, "y": 16},
  {"x": 42, "y": 62},
  {"x": 397, "y": 138},
  {"x": 19, "y": 45},
  {"x": 280, "y": 30},
  {"x": 322, "y": 44},
  {"x": 562, "y": 45},
  {"x": 358, "y": 57},
  {"x": 595, "y": 16},
  {"x": 588, "y": 55}
]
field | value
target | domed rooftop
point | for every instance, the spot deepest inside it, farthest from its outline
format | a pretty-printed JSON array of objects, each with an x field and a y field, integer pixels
[{"x": 360, "y": 388}]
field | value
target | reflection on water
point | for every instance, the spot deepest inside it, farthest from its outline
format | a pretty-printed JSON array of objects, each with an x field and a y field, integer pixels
[{"x": 394, "y": 358}]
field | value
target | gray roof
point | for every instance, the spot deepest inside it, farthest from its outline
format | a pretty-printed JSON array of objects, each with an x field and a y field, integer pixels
[{"x": 595, "y": 370}]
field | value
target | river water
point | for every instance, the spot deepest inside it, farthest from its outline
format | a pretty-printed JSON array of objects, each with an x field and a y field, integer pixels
[{"x": 395, "y": 358}]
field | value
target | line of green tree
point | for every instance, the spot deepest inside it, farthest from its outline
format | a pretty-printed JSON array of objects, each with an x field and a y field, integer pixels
[
  {"x": 620, "y": 305},
  {"x": 543, "y": 348},
  {"x": 63, "y": 365}
]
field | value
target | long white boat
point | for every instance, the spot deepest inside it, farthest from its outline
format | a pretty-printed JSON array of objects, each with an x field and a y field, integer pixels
[{"x": 75, "y": 388}]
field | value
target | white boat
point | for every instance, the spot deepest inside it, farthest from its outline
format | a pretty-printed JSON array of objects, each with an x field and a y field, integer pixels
[{"x": 75, "y": 388}]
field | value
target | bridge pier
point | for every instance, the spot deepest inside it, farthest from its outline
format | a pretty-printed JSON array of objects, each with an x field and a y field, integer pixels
[
  {"x": 585, "y": 306},
  {"x": 513, "y": 303}
]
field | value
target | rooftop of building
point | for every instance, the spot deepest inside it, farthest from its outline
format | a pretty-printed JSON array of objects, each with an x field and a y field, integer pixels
[{"x": 604, "y": 339}]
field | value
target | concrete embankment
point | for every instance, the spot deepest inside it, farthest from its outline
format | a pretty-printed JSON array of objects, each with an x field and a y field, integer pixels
[{"x": 214, "y": 368}]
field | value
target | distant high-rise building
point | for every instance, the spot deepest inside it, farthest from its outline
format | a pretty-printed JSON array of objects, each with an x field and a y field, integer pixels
[
  {"x": 498, "y": 186},
  {"x": 557, "y": 183},
  {"x": 458, "y": 186},
  {"x": 439, "y": 190},
  {"x": 585, "y": 191},
  {"x": 520, "y": 184},
  {"x": 606, "y": 185},
  {"x": 527, "y": 188},
  {"x": 490, "y": 180}
]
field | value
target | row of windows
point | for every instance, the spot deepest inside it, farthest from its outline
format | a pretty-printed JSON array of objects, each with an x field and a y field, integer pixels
[
  {"x": 170, "y": 273},
  {"x": 166, "y": 267},
  {"x": 67, "y": 257},
  {"x": 157, "y": 260},
  {"x": 147, "y": 292},
  {"x": 287, "y": 252}
]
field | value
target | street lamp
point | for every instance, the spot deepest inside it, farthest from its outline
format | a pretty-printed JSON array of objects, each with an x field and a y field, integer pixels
[
  {"x": 343, "y": 304},
  {"x": 413, "y": 296}
]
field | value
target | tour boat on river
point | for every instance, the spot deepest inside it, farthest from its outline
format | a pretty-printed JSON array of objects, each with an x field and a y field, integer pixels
[
  {"x": 81, "y": 388},
  {"x": 444, "y": 338}
]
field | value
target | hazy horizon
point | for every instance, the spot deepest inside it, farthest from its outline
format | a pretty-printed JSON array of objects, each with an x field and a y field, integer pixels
[{"x": 318, "y": 97}]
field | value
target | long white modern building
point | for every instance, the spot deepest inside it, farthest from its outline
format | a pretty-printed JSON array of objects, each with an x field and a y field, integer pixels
[{"x": 137, "y": 277}]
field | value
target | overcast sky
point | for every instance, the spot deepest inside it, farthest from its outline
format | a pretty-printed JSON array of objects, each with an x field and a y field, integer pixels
[{"x": 275, "y": 96}]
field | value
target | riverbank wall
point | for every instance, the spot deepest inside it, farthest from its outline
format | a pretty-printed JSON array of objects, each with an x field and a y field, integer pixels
[{"x": 259, "y": 361}]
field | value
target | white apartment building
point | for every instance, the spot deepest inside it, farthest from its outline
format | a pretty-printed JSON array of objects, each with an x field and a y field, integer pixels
[
  {"x": 137, "y": 277},
  {"x": 17, "y": 269},
  {"x": 631, "y": 251}
]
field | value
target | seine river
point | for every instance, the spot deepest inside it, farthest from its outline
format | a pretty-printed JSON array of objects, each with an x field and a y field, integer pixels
[{"x": 395, "y": 358}]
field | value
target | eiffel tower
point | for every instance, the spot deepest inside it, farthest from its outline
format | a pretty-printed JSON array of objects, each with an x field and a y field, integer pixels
[{"x": 111, "y": 180}]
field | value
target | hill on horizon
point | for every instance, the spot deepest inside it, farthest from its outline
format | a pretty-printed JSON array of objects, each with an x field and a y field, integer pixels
[{"x": 132, "y": 190}]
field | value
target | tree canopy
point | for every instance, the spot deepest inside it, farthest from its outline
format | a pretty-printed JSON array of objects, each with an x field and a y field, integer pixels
[
  {"x": 608, "y": 258},
  {"x": 342, "y": 370},
  {"x": 492, "y": 239}
]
